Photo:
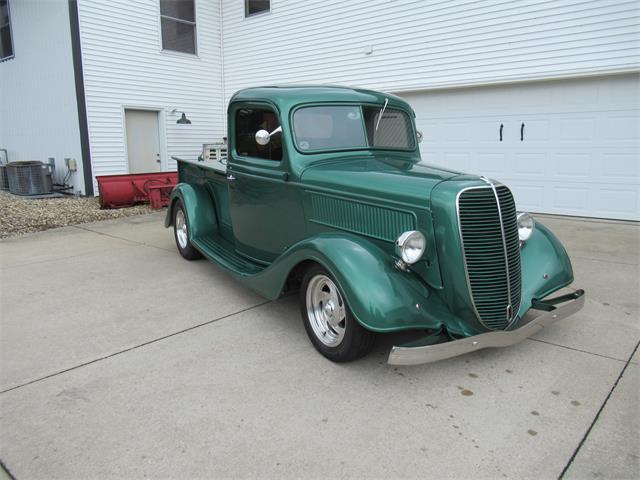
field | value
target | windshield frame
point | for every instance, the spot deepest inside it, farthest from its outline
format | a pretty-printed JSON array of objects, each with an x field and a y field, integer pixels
[{"x": 360, "y": 105}]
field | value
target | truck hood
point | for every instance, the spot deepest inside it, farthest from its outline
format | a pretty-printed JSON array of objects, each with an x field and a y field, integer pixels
[{"x": 379, "y": 176}]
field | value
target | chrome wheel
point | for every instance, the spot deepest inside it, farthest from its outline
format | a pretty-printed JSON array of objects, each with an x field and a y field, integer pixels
[
  {"x": 326, "y": 310},
  {"x": 181, "y": 229}
]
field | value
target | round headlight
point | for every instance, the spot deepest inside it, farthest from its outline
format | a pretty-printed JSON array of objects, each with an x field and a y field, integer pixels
[
  {"x": 526, "y": 225},
  {"x": 410, "y": 246}
]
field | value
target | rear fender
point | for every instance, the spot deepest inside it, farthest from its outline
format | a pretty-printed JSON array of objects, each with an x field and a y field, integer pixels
[
  {"x": 381, "y": 297},
  {"x": 199, "y": 209}
]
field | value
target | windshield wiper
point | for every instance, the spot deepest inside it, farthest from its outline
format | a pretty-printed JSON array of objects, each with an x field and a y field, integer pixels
[{"x": 384, "y": 107}]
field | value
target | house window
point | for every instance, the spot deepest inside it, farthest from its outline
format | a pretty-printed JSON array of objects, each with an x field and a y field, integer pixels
[
  {"x": 178, "y": 21},
  {"x": 6, "y": 43},
  {"x": 254, "y": 7}
]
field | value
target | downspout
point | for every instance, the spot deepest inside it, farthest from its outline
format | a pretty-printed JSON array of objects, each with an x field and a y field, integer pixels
[
  {"x": 222, "y": 86},
  {"x": 76, "y": 50}
]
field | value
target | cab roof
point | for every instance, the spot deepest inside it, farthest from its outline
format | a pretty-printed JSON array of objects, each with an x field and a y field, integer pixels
[{"x": 286, "y": 97}]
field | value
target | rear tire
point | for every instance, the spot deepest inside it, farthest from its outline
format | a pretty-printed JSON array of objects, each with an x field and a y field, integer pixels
[
  {"x": 181, "y": 233},
  {"x": 328, "y": 320}
]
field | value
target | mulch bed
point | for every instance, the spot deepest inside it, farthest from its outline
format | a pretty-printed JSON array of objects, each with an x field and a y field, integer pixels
[{"x": 20, "y": 215}]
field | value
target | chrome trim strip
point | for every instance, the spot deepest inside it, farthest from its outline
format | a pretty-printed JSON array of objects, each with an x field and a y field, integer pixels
[
  {"x": 464, "y": 256},
  {"x": 441, "y": 351},
  {"x": 504, "y": 249}
]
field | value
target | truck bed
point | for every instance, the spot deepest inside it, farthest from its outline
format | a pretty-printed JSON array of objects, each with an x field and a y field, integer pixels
[{"x": 211, "y": 175}]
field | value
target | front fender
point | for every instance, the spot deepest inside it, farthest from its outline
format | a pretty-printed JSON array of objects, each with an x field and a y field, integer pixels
[
  {"x": 199, "y": 209},
  {"x": 381, "y": 297},
  {"x": 545, "y": 266}
]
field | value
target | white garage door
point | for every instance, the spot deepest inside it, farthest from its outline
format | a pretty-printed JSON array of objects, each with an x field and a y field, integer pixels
[{"x": 568, "y": 147}]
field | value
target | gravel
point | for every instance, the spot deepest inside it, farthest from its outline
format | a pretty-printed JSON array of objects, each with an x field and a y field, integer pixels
[{"x": 20, "y": 215}]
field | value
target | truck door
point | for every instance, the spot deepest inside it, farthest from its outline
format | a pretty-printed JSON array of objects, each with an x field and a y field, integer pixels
[{"x": 261, "y": 201}]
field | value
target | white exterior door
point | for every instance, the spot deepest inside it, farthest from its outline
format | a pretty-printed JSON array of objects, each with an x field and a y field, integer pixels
[
  {"x": 143, "y": 141},
  {"x": 567, "y": 147}
]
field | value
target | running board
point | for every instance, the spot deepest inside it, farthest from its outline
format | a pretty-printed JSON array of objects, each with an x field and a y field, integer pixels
[{"x": 223, "y": 253}]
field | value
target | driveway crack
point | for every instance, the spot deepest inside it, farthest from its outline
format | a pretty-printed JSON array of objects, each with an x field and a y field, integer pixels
[
  {"x": 144, "y": 344},
  {"x": 578, "y": 350},
  {"x": 122, "y": 238},
  {"x": 595, "y": 419}
]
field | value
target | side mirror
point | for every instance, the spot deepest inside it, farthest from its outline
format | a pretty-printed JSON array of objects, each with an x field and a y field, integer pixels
[
  {"x": 263, "y": 137},
  {"x": 419, "y": 136}
]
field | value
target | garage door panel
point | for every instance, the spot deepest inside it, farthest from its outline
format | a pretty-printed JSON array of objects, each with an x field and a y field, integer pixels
[
  {"x": 619, "y": 168},
  {"x": 571, "y": 167},
  {"x": 573, "y": 129},
  {"x": 530, "y": 165},
  {"x": 486, "y": 132},
  {"x": 491, "y": 164},
  {"x": 528, "y": 197},
  {"x": 456, "y": 133},
  {"x": 621, "y": 128},
  {"x": 569, "y": 199},
  {"x": 458, "y": 161},
  {"x": 618, "y": 202},
  {"x": 535, "y": 132},
  {"x": 429, "y": 131},
  {"x": 619, "y": 92},
  {"x": 580, "y": 150}
]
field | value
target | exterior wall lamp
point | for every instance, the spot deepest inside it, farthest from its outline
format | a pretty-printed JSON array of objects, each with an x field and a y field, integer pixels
[{"x": 183, "y": 120}]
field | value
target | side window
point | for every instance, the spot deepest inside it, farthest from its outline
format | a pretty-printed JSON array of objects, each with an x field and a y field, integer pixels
[
  {"x": 6, "y": 42},
  {"x": 394, "y": 128},
  {"x": 248, "y": 122},
  {"x": 178, "y": 23}
]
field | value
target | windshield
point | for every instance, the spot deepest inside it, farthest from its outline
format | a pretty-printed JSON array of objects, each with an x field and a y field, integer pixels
[{"x": 347, "y": 127}]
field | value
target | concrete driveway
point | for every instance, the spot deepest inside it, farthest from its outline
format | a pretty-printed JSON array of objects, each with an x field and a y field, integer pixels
[{"x": 122, "y": 360}]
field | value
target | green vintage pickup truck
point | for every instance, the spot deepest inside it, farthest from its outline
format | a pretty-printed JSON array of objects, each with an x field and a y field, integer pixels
[{"x": 324, "y": 192}]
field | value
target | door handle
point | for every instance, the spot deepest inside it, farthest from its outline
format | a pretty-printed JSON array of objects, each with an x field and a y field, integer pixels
[{"x": 230, "y": 177}]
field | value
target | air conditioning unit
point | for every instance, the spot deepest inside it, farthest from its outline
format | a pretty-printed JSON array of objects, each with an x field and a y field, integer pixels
[
  {"x": 4, "y": 159},
  {"x": 29, "y": 178},
  {"x": 4, "y": 180}
]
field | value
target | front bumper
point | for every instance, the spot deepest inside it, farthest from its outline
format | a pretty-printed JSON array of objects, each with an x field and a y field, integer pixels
[{"x": 568, "y": 305}]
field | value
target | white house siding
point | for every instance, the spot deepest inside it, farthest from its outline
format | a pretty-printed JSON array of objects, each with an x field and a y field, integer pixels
[
  {"x": 125, "y": 67},
  {"x": 419, "y": 45},
  {"x": 580, "y": 149},
  {"x": 38, "y": 112}
]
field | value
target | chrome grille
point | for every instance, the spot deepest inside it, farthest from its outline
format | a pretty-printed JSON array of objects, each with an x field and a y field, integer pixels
[{"x": 491, "y": 253}]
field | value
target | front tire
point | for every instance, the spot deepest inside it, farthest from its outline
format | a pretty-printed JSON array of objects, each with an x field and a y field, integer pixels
[
  {"x": 181, "y": 233},
  {"x": 329, "y": 323}
]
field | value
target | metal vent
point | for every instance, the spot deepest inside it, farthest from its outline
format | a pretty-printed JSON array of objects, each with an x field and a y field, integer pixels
[
  {"x": 489, "y": 233},
  {"x": 371, "y": 220}
]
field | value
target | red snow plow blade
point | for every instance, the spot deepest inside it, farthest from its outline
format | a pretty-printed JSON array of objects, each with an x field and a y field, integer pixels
[{"x": 117, "y": 191}]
